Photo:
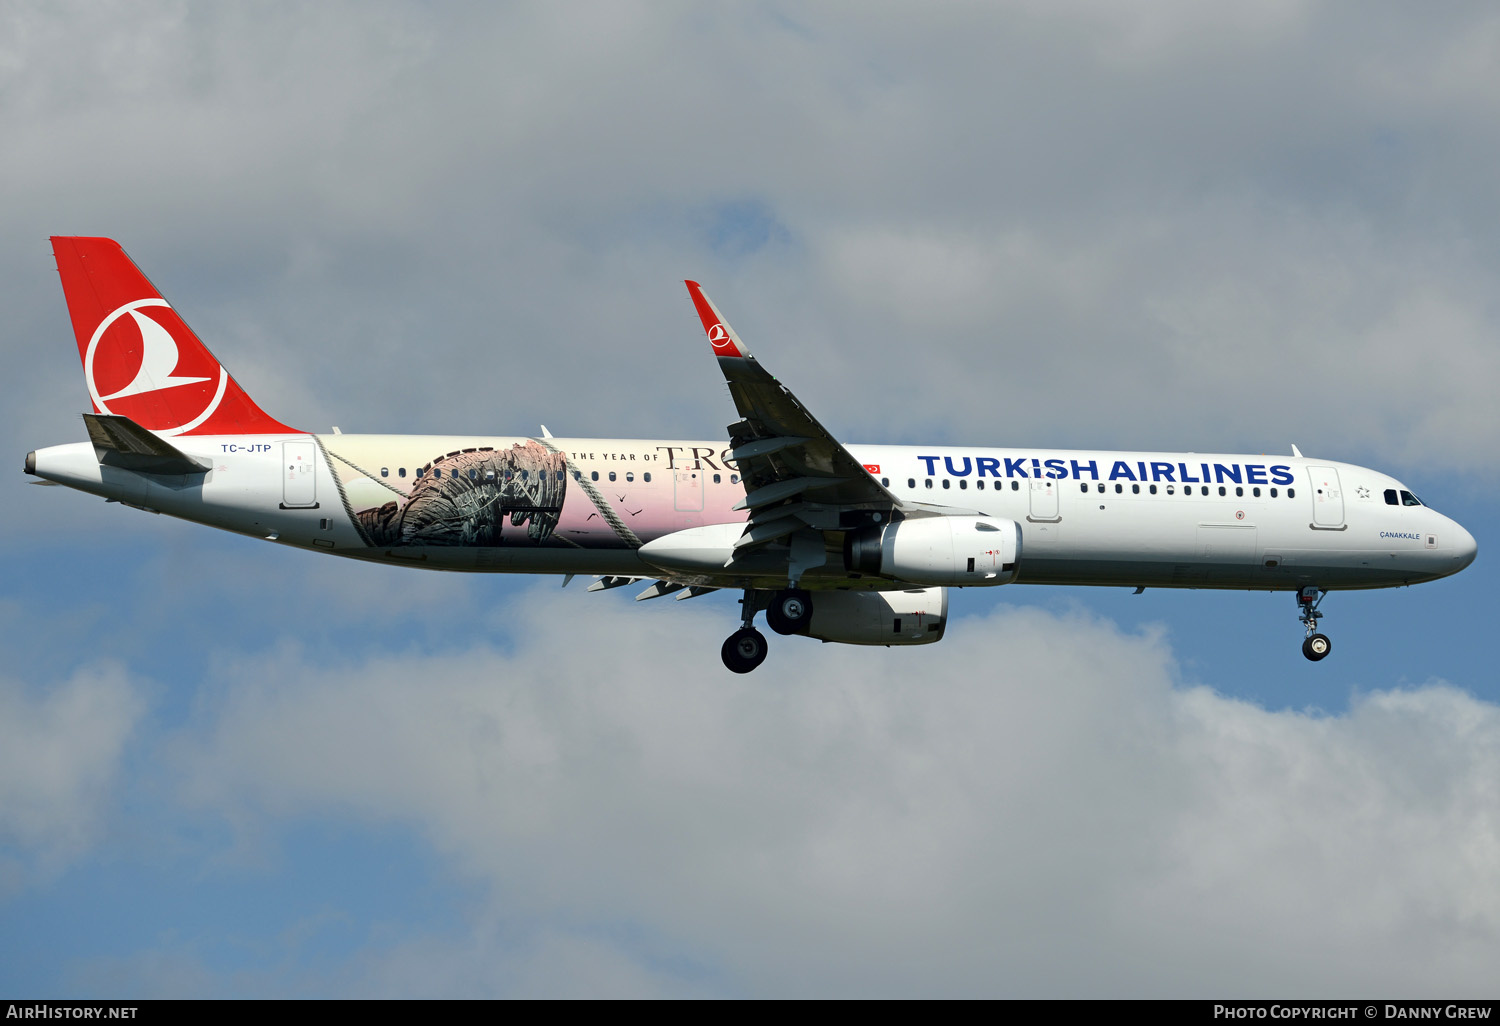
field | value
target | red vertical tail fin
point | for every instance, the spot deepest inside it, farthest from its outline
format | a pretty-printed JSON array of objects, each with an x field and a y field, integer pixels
[{"x": 140, "y": 359}]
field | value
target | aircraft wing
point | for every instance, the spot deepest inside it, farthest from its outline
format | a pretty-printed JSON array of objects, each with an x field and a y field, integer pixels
[{"x": 796, "y": 473}]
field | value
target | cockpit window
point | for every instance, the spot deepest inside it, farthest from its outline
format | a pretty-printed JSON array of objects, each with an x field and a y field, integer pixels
[
  {"x": 1408, "y": 499},
  {"x": 1390, "y": 497}
]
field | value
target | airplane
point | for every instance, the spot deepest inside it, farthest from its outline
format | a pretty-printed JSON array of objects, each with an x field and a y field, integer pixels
[{"x": 856, "y": 544}]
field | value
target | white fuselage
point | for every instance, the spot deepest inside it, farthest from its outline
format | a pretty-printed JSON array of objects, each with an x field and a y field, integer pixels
[{"x": 1086, "y": 517}]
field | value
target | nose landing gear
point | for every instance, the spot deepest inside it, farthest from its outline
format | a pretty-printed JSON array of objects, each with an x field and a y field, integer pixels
[{"x": 1316, "y": 645}]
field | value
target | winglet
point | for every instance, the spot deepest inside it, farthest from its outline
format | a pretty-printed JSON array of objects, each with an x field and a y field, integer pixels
[{"x": 720, "y": 335}]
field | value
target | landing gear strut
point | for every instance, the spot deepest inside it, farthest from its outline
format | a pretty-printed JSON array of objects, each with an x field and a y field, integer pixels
[
  {"x": 746, "y": 648},
  {"x": 1316, "y": 645}
]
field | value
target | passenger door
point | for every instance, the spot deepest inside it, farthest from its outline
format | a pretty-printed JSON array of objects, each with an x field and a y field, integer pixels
[
  {"x": 299, "y": 475},
  {"x": 1044, "y": 501},
  {"x": 1327, "y": 497}
]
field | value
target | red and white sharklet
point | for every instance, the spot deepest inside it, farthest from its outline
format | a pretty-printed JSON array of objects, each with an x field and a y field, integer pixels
[
  {"x": 140, "y": 359},
  {"x": 720, "y": 335}
]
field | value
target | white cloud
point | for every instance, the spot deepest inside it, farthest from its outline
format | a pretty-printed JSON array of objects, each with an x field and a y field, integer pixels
[
  {"x": 1155, "y": 226},
  {"x": 1034, "y": 807},
  {"x": 61, "y": 749}
]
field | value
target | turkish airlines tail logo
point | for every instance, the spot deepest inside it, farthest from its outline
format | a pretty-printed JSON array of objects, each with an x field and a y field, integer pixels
[
  {"x": 159, "y": 358},
  {"x": 140, "y": 358}
]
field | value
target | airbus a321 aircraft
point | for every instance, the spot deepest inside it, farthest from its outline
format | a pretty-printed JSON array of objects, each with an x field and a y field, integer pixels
[{"x": 856, "y": 544}]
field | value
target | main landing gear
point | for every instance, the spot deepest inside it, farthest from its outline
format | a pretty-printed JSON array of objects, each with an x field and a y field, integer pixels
[
  {"x": 744, "y": 650},
  {"x": 790, "y": 612},
  {"x": 787, "y": 612},
  {"x": 1317, "y": 645}
]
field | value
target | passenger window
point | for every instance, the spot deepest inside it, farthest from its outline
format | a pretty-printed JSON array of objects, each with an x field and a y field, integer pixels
[
  {"x": 631, "y": 477},
  {"x": 1255, "y": 492},
  {"x": 1273, "y": 493},
  {"x": 1153, "y": 489},
  {"x": 385, "y": 471},
  {"x": 963, "y": 485},
  {"x": 1135, "y": 489},
  {"x": 1084, "y": 487},
  {"x": 489, "y": 475},
  {"x": 525, "y": 475},
  {"x": 419, "y": 471},
  {"x": 1169, "y": 489},
  {"x": 911, "y": 482},
  {"x": 401, "y": 472},
  {"x": 611, "y": 475},
  {"x": 1205, "y": 489},
  {"x": 1238, "y": 491},
  {"x": 646, "y": 477},
  {"x": 716, "y": 478},
  {"x": 1291, "y": 493},
  {"x": 437, "y": 471},
  {"x": 946, "y": 483},
  {"x": 593, "y": 475},
  {"x": 1390, "y": 497},
  {"x": 1015, "y": 485},
  {"x": 1408, "y": 499},
  {"x": 885, "y": 482},
  {"x": 979, "y": 484},
  {"x": 1119, "y": 489},
  {"x": 1101, "y": 488},
  {"x": 1223, "y": 490},
  {"x": 734, "y": 479},
  {"x": 929, "y": 482}
]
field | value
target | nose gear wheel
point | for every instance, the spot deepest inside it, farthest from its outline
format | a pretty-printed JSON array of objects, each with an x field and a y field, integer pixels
[{"x": 1316, "y": 645}]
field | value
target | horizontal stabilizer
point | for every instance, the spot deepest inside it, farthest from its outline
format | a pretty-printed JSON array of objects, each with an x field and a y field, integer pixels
[{"x": 121, "y": 442}]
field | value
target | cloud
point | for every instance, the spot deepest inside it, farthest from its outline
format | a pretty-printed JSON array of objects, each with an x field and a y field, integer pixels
[
  {"x": 1035, "y": 807},
  {"x": 61, "y": 754},
  {"x": 1159, "y": 226},
  {"x": 1156, "y": 225}
]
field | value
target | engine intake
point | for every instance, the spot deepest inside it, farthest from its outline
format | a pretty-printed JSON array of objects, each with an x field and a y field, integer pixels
[{"x": 962, "y": 550}]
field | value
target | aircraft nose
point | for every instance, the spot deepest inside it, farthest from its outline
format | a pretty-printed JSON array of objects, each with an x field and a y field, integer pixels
[{"x": 1465, "y": 548}]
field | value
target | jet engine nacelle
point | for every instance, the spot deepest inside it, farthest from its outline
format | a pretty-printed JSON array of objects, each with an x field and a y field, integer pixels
[
  {"x": 916, "y": 617},
  {"x": 965, "y": 550}
]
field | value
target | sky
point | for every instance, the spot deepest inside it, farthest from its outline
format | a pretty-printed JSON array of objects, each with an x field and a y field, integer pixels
[{"x": 232, "y": 769}]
